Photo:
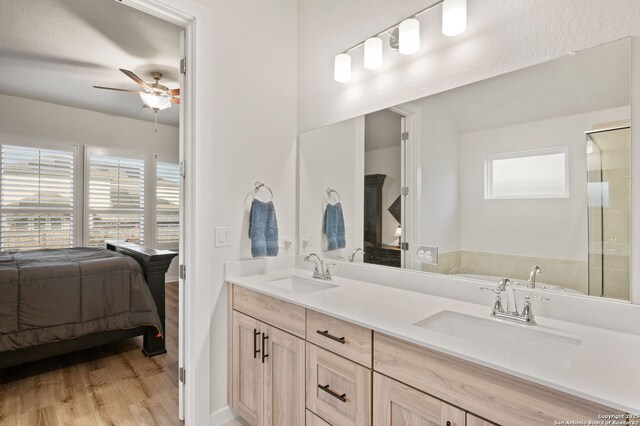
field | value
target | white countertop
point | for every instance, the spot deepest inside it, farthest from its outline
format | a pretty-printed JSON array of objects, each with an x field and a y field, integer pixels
[{"x": 605, "y": 369}]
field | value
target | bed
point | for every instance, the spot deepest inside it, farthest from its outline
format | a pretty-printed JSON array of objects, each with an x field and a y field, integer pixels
[{"x": 58, "y": 301}]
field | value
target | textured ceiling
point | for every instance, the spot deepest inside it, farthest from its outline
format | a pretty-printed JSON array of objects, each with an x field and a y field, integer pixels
[{"x": 56, "y": 50}]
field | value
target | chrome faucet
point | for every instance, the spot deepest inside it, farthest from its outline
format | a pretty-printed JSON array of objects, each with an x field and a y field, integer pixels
[
  {"x": 320, "y": 271},
  {"x": 535, "y": 271},
  {"x": 353, "y": 255},
  {"x": 511, "y": 310}
]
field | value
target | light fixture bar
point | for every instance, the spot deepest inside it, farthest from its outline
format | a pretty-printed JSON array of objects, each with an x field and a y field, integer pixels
[{"x": 415, "y": 15}]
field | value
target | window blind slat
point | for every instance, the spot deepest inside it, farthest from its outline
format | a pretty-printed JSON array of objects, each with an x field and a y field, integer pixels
[
  {"x": 41, "y": 181},
  {"x": 167, "y": 203},
  {"x": 116, "y": 199}
]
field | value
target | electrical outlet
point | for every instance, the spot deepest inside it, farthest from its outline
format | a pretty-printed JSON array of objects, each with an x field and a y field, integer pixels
[
  {"x": 427, "y": 254},
  {"x": 223, "y": 236},
  {"x": 285, "y": 242},
  {"x": 307, "y": 241}
]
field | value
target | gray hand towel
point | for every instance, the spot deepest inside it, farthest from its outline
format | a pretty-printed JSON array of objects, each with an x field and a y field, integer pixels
[
  {"x": 333, "y": 226},
  {"x": 263, "y": 229}
]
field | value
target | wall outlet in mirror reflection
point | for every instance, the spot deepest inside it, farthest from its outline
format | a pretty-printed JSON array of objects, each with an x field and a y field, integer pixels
[{"x": 427, "y": 254}]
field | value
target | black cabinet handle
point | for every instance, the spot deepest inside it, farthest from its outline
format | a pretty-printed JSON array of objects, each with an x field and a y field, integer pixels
[
  {"x": 256, "y": 351},
  {"x": 333, "y": 394},
  {"x": 448, "y": 423},
  {"x": 264, "y": 350},
  {"x": 326, "y": 334}
]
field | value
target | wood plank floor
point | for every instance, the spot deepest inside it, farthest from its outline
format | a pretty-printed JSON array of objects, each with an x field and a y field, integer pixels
[{"x": 109, "y": 385}]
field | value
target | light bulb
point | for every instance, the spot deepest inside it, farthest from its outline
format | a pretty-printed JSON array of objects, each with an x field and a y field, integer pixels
[
  {"x": 157, "y": 102},
  {"x": 342, "y": 68},
  {"x": 409, "y": 36},
  {"x": 454, "y": 17},
  {"x": 373, "y": 53}
]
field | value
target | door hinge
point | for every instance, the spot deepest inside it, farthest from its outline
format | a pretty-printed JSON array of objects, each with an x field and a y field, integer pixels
[
  {"x": 405, "y": 191},
  {"x": 183, "y": 375},
  {"x": 404, "y": 246},
  {"x": 183, "y": 169},
  {"x": 405, "y": 136},
  {"x": 183, "y": 66},
  {"x": 182, "y": 272}
]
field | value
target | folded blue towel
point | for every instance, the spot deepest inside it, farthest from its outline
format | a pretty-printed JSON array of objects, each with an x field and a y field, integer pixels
[
  {"x": 333, "y": 227},
  {"x": 263, "y": 229}
]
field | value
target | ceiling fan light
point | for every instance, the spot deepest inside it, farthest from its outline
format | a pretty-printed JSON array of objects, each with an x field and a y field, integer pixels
[{"x": 155, "y": 102}]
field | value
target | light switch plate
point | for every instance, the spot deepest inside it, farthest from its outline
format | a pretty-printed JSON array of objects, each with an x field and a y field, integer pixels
[
  {"x": 427, "y": 254},
  {"x": 223, "y": 236}
]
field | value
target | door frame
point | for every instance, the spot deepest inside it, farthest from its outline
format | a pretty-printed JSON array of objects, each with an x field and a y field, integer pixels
[
  {"x": 412, "y": 178},
  {"x": 186, "y": 13}
]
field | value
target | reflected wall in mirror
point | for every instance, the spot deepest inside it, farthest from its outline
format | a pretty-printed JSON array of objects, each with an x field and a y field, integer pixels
[{"x": 526, "y": 175}]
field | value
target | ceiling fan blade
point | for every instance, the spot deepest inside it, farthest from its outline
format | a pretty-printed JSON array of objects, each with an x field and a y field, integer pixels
[
  {"x": 119, "y": 90},
  {"x": 175, "y": 101},
  {"x": 174, "y": 92},
  {"x": 135, "y": 78}
]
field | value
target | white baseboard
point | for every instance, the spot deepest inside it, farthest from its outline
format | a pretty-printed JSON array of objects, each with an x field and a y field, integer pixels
[{"x": 222, "y": 416}]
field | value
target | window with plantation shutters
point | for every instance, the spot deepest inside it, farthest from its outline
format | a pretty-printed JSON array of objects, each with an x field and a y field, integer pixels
[
  {"x": 115, "y": 188},
  {"x": 167, "y": 203},
  {"x": 37, "y": 197}
]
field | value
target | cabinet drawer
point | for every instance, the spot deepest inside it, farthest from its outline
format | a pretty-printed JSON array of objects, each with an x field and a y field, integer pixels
[
  {"x": 270, "y": 310},
  {"x": 473, "y": 420},
  {"x": 396, "y": 404},
  {"x": 313, "y": 420},
  {"x": 496, "y": 396},
  {"x": 346, "y": 339},
  {"x": 338, "y": 390}
]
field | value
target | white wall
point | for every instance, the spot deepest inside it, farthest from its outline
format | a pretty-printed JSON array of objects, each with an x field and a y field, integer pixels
[
  {"x": 331, "y": 157},
  {"x": 249, "y": 134},
  {"x": 56, "y": 123},
  {"x": 438, "y": 211},
  {"x": 502, "y": 36},
  {"x": 387, "y": 161},
  {"x": 551, "y": 228}
]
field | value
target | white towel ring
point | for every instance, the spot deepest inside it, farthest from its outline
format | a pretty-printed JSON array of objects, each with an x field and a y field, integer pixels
[
  {"x": 258, "y": 187},
  {"x": 331, "y": 193}
]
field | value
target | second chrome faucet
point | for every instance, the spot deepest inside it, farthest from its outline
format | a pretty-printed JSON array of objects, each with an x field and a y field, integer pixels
[{"x": 509, "y": 310}]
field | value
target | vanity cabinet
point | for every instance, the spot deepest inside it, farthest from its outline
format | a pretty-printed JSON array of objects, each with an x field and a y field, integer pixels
[
  {"x": 338, "y": 390},
  {"x": 396, "y": 404},
  {"x": 290, "y": 366},
  {"x": 268, "y": 367}
]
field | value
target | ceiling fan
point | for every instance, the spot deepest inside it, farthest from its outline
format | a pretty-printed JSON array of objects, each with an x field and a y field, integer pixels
[{"x": 155, "y": 95}]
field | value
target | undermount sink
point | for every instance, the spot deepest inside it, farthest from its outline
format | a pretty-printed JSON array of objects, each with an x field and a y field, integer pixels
[
  {"x": 511, "y": 340},
  {"x": 300, "y": 285}
]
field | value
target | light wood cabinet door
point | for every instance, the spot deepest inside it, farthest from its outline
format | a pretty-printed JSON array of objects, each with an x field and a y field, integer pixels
[
  {"x": 473, "y": 420},
  {"x": 396, "y": 404},
  {"x": 247, "y": 369},
  {"x": 338, "y": 390},
  {"x": 284, "y": 390}
]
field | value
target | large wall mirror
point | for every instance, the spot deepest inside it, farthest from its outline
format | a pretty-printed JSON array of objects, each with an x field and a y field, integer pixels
[{"x": 526, "y": 175}]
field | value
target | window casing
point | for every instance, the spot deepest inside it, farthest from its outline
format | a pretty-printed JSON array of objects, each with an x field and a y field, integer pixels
[
  {"x": 527, "y": 174},
  {"x": 38, "y": 197},
  {"x": 114, "y": 196}
]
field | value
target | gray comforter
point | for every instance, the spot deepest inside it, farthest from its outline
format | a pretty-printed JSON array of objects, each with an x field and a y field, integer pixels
[{"x": 52, "y": 295}]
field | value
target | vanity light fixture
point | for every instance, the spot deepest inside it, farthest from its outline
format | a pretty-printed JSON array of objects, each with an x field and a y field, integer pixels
[
  {"x": 373, "y": 53},
  {"x": 409, "y": 36},
  {"x": 342, "y": 68},
  {"x": 404, "y": 37},
  {"x": 454, "y": 17}
]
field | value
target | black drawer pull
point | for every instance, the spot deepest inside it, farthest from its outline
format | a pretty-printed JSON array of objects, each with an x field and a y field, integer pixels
[
  {"x": 256, "y": 351},
  {"x": 333, "y": 394},
  {"x": 326, "y": 334},
  {"x": 264, "y": 350}
]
